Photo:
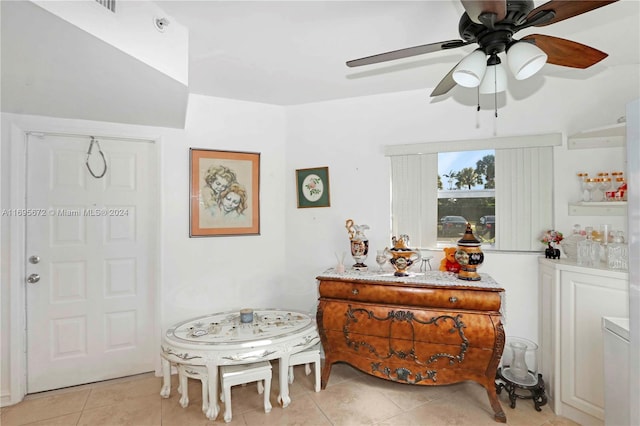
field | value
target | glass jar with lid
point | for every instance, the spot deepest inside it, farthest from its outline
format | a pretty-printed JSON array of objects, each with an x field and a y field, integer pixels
[
  {"x": 588, "y": 250},
  {"x": 570, "y": 244},
  {"x": 618, "y": 252}
]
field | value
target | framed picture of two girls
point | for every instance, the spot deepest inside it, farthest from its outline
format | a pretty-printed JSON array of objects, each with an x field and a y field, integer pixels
[{"x": 225, "y": 193}]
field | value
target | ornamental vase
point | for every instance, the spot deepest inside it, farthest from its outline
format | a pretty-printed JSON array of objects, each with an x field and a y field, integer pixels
[
  {"x": 359, "y": 244},
  {"x": 469, "y": 256},
  {"x": 402, "y": 257}
]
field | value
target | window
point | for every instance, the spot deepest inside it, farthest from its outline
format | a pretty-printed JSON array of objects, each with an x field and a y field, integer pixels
[
  {"x": 523, "y": 191},
  {"x": 466, "y": 194}
]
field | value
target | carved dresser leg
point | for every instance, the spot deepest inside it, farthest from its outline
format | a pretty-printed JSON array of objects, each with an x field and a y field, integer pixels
[
  {"x": 499, "y": 414},
  {"x": 326, "y": 371}
]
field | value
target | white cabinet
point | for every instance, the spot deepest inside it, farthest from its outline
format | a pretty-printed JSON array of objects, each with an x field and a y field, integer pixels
[{"x": 573, "y": 300}]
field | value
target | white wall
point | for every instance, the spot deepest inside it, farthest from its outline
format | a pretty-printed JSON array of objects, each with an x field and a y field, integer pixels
[
  {"x": 278, "y": 268},
  {"x": 197, "y": 275},
  {"x": 205, "y": 275},
  {"x": 348, "y": 136}
]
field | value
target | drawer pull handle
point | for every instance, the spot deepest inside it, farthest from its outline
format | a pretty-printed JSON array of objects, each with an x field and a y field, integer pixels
[
  {"x": 355, "y": 291},
  {"x": 453, "y": 299}
]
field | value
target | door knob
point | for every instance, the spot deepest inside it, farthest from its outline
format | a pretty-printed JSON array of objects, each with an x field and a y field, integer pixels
[
  {"x": 34, "y": 259},
  {"x": 33, "y": 278}
]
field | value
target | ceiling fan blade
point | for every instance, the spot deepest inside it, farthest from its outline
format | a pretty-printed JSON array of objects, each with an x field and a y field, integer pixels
[
  {"x": 407, "y": 52},
  {"x": 475, "y": 8},
  {"x": 446, "y": 84},
  {"x": 566, "y": 53},
  {"x": 565, "y": 9}
]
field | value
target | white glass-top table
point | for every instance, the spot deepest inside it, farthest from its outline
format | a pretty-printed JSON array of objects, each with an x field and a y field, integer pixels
[{"x": 222, "y": 339}]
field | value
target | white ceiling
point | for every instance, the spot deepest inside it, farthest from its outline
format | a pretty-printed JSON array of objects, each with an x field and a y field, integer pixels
[
  {"x": 53, "y": 68},
  {"x": 292, "y": 52},
  {"x": 275, "y": 52}
]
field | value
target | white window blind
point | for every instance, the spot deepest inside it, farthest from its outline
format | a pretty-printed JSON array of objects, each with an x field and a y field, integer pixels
[
  {"x": 524, "y": 188},
  {"x": 524, "y": 197},
  {"x": 414, "y": 197}
]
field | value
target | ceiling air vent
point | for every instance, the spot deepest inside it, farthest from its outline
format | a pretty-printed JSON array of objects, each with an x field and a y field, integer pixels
[{"x": 109, "y": 4}]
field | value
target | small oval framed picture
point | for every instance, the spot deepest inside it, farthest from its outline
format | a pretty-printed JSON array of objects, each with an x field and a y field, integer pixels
[{"x": 313, "y": 187}]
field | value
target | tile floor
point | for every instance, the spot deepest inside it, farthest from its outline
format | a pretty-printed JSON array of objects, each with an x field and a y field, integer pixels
[{"x": 351, "y": 398}]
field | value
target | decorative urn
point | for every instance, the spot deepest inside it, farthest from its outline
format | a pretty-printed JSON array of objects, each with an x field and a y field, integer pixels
[
  {"x": 469, "y": 256},
  {"x": 359, "y": 244},
  {"x": 401, "y": 256}
]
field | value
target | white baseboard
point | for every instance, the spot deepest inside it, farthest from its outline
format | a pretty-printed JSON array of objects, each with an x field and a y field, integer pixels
[{"x": 5, "y": 400}]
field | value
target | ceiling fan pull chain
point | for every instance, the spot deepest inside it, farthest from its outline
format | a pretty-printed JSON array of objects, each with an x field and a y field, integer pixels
[{"x": 478, "y": 94}]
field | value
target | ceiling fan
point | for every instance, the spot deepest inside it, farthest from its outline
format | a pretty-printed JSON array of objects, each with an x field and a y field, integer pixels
[{"x": 491, "y": 24}]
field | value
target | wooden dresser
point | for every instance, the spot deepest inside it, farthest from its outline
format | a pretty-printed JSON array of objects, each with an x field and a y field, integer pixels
[{"x": 430, "y": 329}]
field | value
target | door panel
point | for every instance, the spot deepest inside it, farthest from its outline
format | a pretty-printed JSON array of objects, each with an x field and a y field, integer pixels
[
  {"x": 90, "y": 316},
  {"x": 585, "y": 300}
]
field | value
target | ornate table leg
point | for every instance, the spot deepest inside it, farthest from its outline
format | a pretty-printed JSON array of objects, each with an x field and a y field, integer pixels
[
  {"x": 165, "y": 391},
  {"x": 214, "y": 408},
  {"x": 283, "y": 398},
  {"x": 183, "y": 388}
]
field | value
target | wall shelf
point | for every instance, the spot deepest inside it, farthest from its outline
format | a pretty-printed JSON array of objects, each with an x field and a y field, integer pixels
[
  {"x": 602, "y": 137},
  {"x": 595, "y": 208}
]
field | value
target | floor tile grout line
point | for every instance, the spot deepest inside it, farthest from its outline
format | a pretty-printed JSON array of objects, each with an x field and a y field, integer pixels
[{"x": 350, "y": 379}]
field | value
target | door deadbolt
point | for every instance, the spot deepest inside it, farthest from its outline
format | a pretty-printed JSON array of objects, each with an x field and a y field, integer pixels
[
  {"x": 34, "y": 259},
  {"x": 33, "y": 278}
]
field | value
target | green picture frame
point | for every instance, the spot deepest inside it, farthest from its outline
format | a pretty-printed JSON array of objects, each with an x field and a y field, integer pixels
[{"x": 313, "y": 187}]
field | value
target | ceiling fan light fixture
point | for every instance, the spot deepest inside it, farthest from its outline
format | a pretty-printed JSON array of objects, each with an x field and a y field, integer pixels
[
  {"x": 525, "y": 59},
  {"x": 495, "y": 80},
  {"x": 471, "y": 69}
]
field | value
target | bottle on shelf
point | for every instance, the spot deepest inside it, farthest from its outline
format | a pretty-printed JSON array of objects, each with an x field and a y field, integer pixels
[
  {"x": 588, "y": 250},
  {"x": 617, "y": 253}
]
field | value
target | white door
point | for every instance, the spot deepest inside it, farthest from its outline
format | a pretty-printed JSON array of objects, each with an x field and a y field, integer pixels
[{"x": 91, "y": 243}]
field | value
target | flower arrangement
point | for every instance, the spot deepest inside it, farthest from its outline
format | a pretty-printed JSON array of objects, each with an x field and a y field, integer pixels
[
  {"x": 311, "y": 186},
  {"x": 551, "y": 237}
]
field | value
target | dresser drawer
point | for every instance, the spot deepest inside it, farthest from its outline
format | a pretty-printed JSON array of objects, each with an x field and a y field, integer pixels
[
  {"x": 355, "y": 321},
  {"x": 416, "y": 295},
  {"x": 433, "y": 355},
  {"x": 387, "y": 360}
]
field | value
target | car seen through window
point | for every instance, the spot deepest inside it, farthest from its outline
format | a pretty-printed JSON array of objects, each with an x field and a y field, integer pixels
[
  {"x": 452, "y": 226},
  {"x": 486, "y": 226}
]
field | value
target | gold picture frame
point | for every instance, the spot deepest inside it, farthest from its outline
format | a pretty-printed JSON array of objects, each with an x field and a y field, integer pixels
[{"x": 224, "y": 193}]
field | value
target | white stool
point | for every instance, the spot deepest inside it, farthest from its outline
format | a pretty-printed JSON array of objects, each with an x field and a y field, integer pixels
[
  {"x": 199, "y": 372},
  {"x": 231, "y": 375},
  {"x": 310, "y": 355}
]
